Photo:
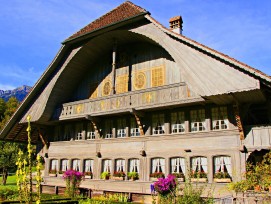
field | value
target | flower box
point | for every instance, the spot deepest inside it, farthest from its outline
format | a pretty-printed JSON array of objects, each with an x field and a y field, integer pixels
[
  {"x": 199, "y": 180},
  {"x": 153, "y": 179},
  {"x": 52, "y": 175},
  {"x": 117, "y": 178},
  {"x": 88, "y": 177},
  {"x": 222, "y": 180},
  {"x": 180, "y": 179}
]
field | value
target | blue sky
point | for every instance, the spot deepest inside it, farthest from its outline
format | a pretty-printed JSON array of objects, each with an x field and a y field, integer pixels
[{"x": 32, "y": 30}]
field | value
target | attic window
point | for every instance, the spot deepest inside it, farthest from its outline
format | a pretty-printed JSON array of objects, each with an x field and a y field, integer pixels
[
  {"x": 157, "y": 76},
  {"x": 107, "y": 88}
]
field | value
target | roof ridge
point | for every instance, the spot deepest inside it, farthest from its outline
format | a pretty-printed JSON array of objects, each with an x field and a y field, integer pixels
[{"x": 124, "y": 11}]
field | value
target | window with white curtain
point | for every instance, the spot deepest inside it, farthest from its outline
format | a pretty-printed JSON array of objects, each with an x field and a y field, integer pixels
[
  {"x": 120, "y": 165},
  {"x": 177, "y": 122},
  {"x": 199, "y": 164},
  {"x": 64, "y": 164},
  {"x": 88, "y": 165},
  {"x": 158, "y": 124},
  {"x": 121, "y": 127},
  {"x": 76, "y": 164},
  {"x": 220, "y": 118},
  {"x": 107, "y": 165},
  {"x": 134, "y": 165},
  {"x": 108, "y": 129},
  {"x": 79, "y": 131},
  {"x": 134, "y": 129},
  {"x": 223, "y": 164},
  {"x": 177, "y": 165},
  {"x": 90, "y": 132},
  {"x": 158, "y": 165},
  {"x": 54, "y": 164},
  {"x": 197, "y": 120}
]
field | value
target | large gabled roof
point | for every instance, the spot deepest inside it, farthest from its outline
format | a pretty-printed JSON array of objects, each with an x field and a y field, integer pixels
[
  {"x": 125, "y": 11},
  {"x": 120, "y": 15}
]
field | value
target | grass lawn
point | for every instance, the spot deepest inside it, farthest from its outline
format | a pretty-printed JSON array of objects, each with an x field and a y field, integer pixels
[{"x": 11, "y": 182}]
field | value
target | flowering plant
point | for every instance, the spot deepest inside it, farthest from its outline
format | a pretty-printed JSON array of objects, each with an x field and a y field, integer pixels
[
  {"x": 220, "y": 175},
  {"x": 73, "y": 179},
  {"x": 119, "y": 174},
  {"x": 157, "y": 175},
  {"x": 52, "y": 171},
  {"x": 105, "y": 175},
  {"x": 88, "y": 173},
  {"x": 198, "y": 174},
  {"x": 61, "y": 172},
  {"x": 178, "y": 175},
  {"x": 165, "y": 186},
  {"x": 133, "y": 175}
]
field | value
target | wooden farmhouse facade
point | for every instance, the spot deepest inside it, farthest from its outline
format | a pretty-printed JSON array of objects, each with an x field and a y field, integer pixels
[{"x": 125, "y": 94}]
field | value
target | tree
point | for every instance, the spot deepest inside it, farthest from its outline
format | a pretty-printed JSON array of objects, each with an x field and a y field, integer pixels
[
  {"x": 10, "y": 107},
  {"x": 9, "y": 151},
  {"x": 2, "y": 108},
  {"x": 8, "y": 158}
]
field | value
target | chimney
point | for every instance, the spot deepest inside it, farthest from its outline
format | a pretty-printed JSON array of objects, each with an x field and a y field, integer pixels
[{"x": 176, "y": 24}]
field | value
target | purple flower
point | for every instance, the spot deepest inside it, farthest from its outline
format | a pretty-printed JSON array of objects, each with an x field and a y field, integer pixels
[
  {"x": 165, "y": 185},
  {"x": 152, "y": 188}
]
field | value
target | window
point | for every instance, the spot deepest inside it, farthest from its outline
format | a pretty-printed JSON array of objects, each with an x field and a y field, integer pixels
[
  {"x": 108, "y": 129},
  {"x": 157, "y": 76},
  {"x": 177, "y": 122},
  {"x": 223, "y": 164},
  {"x": 158, "y": 126},
  {"x": 121, "y": 127},
  {"x": 133, "y": 165},
  {"x": 68, "y": 133},
  {"x": 107, "y": 165},
  {"x": 199, "y": 164},
  {"x": 197, "y": 120},
  {"x": 120, "y": 165},
  {"x": 76, "y": 164},
  {"x": 64, "y": 165},
  {"x": 79, "y": 131},
  {"x": 158, "y": 165},
  {"x": 88, "y": 165},
  {"x": 122, "y": 84},
  {"x": 134, "y": 129},
  {"x": 90, "y": 132},
  {"x": 54, "y": 165},
  {"x": 220, "y": 118},
  {"x": 177, "y": 165}
]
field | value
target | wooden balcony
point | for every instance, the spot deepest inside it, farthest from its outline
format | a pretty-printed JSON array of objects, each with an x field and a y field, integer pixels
[
  {"x": 169, "y": 95},
  {"x": 258, "y": 137}
]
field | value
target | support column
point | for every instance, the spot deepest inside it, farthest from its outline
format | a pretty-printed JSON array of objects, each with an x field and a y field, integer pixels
[
  {"x": 238, "y": 121},
  {"x": 114, "y": 55}
]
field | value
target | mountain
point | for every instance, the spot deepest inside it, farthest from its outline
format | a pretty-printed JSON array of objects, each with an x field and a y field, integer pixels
[{"x": 18, "y": 93}]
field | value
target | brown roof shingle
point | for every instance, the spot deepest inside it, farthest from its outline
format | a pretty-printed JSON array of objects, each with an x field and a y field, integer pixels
[{"x": 124, "y": 11}]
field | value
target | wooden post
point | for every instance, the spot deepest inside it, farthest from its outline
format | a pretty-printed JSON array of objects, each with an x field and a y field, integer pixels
[
  {"x": 114, "y": 67},
  {"x": 238, "y": 121}
]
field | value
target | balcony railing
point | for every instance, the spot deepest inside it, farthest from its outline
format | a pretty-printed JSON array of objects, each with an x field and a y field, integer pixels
[
  {"x": 173, "y": 94},
  {"x": 258, "y": 137}
]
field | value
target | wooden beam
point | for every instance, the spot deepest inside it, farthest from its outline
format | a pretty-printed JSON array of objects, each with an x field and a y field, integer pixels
[
  {"x": 137, "y": 117},
  {"x": 94, "y": 121},
  {"x": 238, "y": 121},
  {"x": 43, "y": 139}
]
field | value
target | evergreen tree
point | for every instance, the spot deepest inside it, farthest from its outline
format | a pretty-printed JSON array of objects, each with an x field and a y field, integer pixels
[
  {"x": 10, "y": 107},
  {"x": 2, "y": 109}
]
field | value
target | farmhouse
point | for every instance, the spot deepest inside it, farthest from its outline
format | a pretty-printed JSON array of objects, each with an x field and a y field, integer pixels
[{"x": 126, "y": 94}]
